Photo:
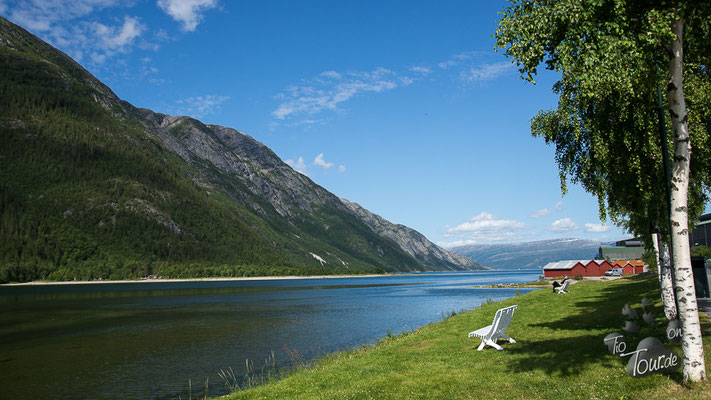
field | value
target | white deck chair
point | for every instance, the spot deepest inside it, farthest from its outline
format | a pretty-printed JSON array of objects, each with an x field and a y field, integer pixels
[
  {"x": 497, "y": 330},
  {"x": 563, "y": 288}
]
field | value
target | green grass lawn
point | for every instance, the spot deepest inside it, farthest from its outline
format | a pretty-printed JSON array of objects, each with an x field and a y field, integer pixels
[{"x": 559, "y": 354}]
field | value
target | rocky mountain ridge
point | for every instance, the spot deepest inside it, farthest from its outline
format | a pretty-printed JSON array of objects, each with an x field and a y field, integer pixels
[
  {"x": 413, "y": 242},
  {"x": 238, "y": 154}
]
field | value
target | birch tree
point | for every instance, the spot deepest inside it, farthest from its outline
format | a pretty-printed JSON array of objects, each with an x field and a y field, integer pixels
[
  {"x": 666, "y": 283},
  {"x": 604, "y": 129}
]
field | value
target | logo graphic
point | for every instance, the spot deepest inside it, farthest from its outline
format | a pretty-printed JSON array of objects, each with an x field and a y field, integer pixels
[
  {"x": 674, "y": 331},
  {"x": 616, "y": 343},
  {"x": 651, "y": 357}
]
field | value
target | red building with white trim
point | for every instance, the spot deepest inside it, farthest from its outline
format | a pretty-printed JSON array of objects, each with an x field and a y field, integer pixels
[
  {"x": 566, "y": 267},
  {"x": 630, "y": 267},
  {"x": 573, "y": 268}
]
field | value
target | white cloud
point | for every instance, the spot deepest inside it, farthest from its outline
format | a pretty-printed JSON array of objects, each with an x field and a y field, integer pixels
[
  {"x": 331, "y": 74},
  {"x": 330, "y": 89},
  {"x": 161, "y": 35},
  {"x": 482, "y": 238},
  {"x": 42, "y": 15},
  {"x": 320, "y": 162},
  {"x": 421, "y": 70},
  {"x": 545, "y": 211},
  {"x": 156, "y": 81},
  {"x": 298, "y": 165},
  {"x": 98, "y": 58},
  {"x": 597, "y": 228},
  {"x": 486, "y": 222},
  {"x": 308, "y": 122},
  {"x": 319, "y": 94},
  {"x": 301, "y": 166},
  {"x": 476, "y": 66},
  {"x": 117, "y": 39},
  {"x": 149, "y": 72},
  {"x": 74, "y": 27},
  {"x": 540, "y": 213},
  {"x": 486, "y": 72},
  {"x": 564, "y": 225},
  {"x": 200, "y": 106},
  {"x": 483, "y": 228},
  {"x": 188, "y": 12},
  {"x": 458, "y": 59},
  {"x": 406, "y": 81}
]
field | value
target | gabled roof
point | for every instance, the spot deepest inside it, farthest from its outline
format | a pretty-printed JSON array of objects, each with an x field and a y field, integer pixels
[
  {"x": 565, "y": 264},
  {"x": 634, "y": 263}
]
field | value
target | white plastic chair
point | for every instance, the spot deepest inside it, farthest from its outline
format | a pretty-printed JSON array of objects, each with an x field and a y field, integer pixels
[
  {"x": 563, "y": 288},
  {"x": 497, "y": 330}
]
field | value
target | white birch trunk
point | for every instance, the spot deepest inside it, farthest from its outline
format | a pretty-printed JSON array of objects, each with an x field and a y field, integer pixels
[
  {"x": 666, "y": 283},
  {"x": 655, "y": 245},
  {"x": 692, "y": 346}
]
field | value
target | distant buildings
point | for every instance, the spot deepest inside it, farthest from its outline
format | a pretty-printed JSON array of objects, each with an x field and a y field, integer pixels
[
  {"x": 573, "y": 268},
  {"x": 630, "y": 267},
  {"x": 626, "y": 254}
]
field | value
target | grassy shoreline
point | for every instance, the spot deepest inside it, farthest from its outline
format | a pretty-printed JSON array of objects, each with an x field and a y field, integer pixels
[
  {"x": 559, "y": 354},
  {"x": 547, "y": 282}
]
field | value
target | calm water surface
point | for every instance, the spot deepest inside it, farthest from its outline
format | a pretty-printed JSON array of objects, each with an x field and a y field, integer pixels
[{"x": 146, "y": 340}]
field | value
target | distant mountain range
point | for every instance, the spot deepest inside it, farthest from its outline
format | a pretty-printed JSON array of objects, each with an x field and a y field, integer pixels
[
  {"x": 529, "y": 254},
  {"x": 93, "y": 187}
]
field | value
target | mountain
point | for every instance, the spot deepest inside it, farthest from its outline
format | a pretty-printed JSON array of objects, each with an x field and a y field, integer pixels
[
  {"x": 413, "y": 242},
  {"x": 93, "y": 187},
  {"x": 529, "y": 254}
]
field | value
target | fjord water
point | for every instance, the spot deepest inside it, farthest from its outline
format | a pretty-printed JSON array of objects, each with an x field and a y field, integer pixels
[{"x": 146, "y": 340}]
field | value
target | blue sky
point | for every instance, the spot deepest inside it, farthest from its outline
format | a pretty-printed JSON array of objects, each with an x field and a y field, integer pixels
[{"x": 401, "y": 106}]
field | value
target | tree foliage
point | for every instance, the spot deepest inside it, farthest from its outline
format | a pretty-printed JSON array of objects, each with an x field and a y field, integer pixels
[
  {"x": 701, "y": 251},
  {"x": 612, "y": 58}
]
